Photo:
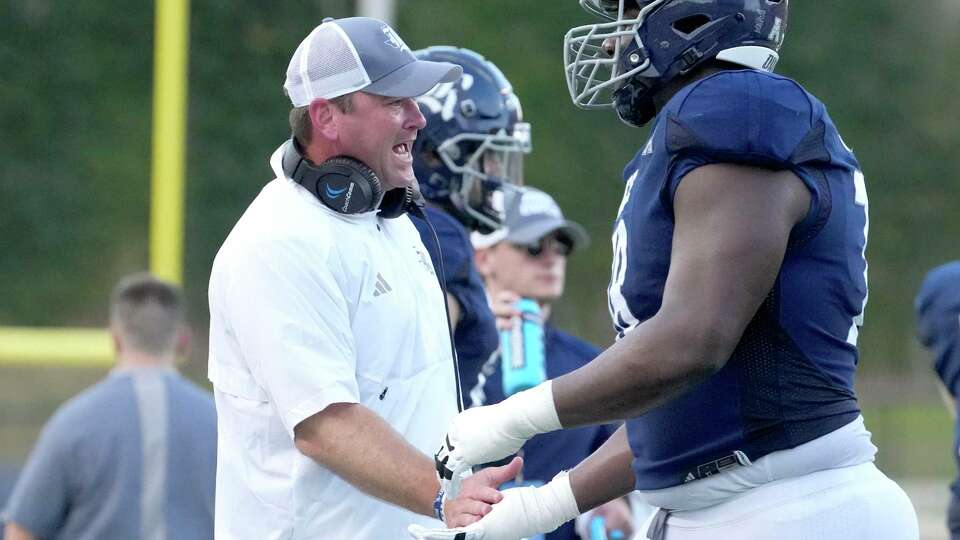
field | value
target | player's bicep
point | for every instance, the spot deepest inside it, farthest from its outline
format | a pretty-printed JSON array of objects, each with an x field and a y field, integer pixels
[{"x": 732, "y": 226}]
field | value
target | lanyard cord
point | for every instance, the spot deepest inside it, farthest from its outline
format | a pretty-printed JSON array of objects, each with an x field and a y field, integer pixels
[{"x": 417, "y": 210}]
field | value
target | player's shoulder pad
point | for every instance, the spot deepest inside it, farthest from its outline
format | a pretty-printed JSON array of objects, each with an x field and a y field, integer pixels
[
  {"x": 443, "y": 221},
  {"x": 454, "y": 241},
  {"x": 746, "y": 116}
]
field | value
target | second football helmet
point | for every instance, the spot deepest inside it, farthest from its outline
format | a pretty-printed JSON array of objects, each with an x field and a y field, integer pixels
[{"x": 470, "y": 154}]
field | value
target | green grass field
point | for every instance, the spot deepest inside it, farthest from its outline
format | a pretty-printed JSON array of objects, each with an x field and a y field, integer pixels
[{"x": 914, "y": 440}]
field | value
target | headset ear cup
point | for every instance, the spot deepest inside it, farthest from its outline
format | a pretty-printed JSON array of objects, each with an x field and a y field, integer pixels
[
  {"x": 341, "y": 183},
  {"x": 347, "y": 185}
]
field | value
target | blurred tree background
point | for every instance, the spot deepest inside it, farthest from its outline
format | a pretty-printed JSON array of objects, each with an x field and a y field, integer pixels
[{"x": 75, "y": 123}]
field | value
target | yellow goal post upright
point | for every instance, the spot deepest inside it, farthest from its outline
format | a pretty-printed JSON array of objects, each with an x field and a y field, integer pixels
[{"x": 92, "y": 346}]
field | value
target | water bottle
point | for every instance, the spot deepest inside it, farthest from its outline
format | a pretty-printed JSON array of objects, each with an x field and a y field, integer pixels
[{"x": 522, "y": 360}]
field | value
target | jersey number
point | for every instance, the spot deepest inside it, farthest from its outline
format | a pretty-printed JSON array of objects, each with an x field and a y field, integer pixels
[{"x": 860, "y": 199}]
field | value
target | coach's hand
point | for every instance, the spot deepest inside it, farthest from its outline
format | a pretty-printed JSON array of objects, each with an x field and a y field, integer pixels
[
  {"x": 484, "y": 434},
  {"x": 479, "y": 494},
  {"x": 524, "y": 511}
]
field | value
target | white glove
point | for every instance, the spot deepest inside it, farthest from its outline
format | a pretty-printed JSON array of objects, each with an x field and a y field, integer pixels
[
  {"x": 523, "y": 512},
  {"x": 484, "y": 434}
]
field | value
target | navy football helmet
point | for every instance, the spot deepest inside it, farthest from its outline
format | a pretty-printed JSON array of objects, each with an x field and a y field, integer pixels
[
  {"x": 665, "y": 39},
  {"x": 469, "y": 157}
]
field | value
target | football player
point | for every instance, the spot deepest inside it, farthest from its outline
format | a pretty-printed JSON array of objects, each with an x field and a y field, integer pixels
[
  {"x": 467, "y": 159},
  {"x": 937, "y": 308},
  {"x": 737, "y": 293}
]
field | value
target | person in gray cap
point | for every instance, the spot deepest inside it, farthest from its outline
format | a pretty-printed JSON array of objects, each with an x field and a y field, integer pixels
[
  {"x": 330, "y": 357},
  {"x": 528, "y": 258},
  {"x": 534, "y": 230}
]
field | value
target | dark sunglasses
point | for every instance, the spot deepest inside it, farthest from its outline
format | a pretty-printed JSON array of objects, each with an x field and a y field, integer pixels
[{"x": 561, "y": 246}]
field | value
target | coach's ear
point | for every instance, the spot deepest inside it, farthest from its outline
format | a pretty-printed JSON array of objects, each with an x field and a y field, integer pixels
[{"x": 323, "y": 117}]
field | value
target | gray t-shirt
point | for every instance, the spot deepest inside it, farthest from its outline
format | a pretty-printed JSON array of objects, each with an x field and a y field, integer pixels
[{"x": 133, "y": 457}]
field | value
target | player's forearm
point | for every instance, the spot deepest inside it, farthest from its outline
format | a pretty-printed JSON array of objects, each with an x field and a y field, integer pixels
[
  {"x": 604, "y": 475},
  {"x": 655, "y": 362},
  {"x": 360, "y": 447}
]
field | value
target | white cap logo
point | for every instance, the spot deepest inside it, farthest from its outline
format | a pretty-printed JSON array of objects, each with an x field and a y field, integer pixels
[{"x": 393, "y": 39}]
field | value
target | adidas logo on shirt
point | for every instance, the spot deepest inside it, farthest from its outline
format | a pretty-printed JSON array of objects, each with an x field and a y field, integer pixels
[{"x": 382, "y": 286}]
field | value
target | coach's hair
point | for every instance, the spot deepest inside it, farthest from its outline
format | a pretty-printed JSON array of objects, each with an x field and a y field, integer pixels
[
  {"x": 301, "y": 127},
  {"x": 147, "y": 313}
]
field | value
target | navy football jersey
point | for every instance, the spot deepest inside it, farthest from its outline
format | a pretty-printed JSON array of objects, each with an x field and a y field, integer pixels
[
  {"x": 790, "y": 378},
  {"x": 476, "y": 336}
]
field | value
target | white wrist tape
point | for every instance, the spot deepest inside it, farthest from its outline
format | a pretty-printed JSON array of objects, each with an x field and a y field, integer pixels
[
  {"x": 557, "y": 502},
  {"x": 529, "y": 511},
  {"x": 534, "y": 411},
  {"x": 485, "y": 434},
  {"x": 523, "y": 512}
]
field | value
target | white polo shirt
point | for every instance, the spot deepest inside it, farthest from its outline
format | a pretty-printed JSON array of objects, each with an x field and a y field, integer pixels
[{"x": 309, "y": 307}]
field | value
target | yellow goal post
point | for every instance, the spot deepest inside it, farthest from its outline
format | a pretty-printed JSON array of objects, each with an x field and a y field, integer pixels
[{"x": 92, "y": 346}]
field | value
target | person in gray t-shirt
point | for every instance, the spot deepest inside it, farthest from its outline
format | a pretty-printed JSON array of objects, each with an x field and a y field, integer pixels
[{"x": 134, "y": 456}]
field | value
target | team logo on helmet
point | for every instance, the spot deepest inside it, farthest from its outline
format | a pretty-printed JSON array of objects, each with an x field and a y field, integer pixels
[{"x": 443, "y": 97}]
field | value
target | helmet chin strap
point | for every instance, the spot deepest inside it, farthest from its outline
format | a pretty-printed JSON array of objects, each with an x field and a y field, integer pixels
[{"x": 634, "y": 103}]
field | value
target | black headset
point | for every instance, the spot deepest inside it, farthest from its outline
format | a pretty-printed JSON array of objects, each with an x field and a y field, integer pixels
[{"x": 348, "y": 186}]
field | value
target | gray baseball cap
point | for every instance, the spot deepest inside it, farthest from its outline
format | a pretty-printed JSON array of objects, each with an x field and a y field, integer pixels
[
  {"x": 530, "y": 215},
  {"x": 360, "y": 53}
]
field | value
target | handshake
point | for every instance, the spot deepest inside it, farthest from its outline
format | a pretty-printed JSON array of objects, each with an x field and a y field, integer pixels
[{"x": 485, "y": 434}]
